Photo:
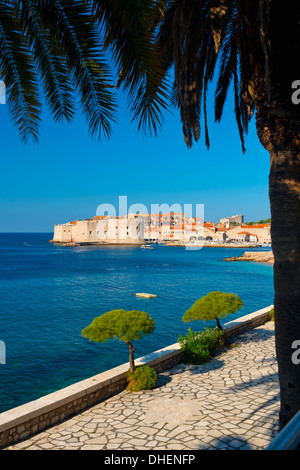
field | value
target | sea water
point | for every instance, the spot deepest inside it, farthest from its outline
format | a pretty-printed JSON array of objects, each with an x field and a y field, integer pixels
[{"x": 49, "y": 293}]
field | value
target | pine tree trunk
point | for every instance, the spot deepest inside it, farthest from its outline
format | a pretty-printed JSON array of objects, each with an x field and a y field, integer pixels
[
  {"x": 218, "y": 324},
  {"x": 131, "y": 357}
]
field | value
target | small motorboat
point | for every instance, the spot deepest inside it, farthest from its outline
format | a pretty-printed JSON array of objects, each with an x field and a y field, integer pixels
[{"x": 147, "y": 247}]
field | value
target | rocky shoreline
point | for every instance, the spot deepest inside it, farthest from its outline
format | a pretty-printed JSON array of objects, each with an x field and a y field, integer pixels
[{"x": 256, "y": 256}]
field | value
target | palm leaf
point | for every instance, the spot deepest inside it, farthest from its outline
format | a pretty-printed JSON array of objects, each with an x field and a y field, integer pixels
[
  {"x": 264, "y": 30},
  {"x": 194, "y": 37},
  {"x": 51, "y": 65},
  {"x": 185, "y": 36},
  {"x": 128, "y": 35},
  {"x": 229, "y": 57},
  {"x": 70, "y": 23},
  {"x": 18, "y": 72}
]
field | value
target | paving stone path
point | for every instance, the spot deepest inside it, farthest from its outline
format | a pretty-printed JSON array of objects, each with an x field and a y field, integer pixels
[{"x": 230, "y": 402}]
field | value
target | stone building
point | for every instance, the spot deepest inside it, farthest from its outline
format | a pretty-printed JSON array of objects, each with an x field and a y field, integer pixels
[
  {"x": 260, "y": 233},
  {"x": 233, "y": 220}
]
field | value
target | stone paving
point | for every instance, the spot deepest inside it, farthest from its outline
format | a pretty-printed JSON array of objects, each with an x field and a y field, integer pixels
[{"x": 230, "y": 402}]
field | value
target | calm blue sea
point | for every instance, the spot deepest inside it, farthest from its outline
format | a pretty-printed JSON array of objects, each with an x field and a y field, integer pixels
[{"x": 49, "y": 293}]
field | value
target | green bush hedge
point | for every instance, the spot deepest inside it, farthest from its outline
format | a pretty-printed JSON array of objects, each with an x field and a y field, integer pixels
[
  {"x": 200, "y": 346},
  {"x": 144, "y": 378}
]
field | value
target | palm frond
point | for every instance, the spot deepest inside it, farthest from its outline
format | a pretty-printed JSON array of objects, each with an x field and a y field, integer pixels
[
  {"x": 264, "y": 30},
  {"x": 194, "y": 37},
  {"x": 129, "y": 36},
  {"x": 186, "y": 27},
  {"x": 18, "y": 72},
  {"x": 50, "y": 62},
  {"x": 229, "y": 57},
  {"x": 70, "y": 23},
  {"x": 219, "y": 13}
]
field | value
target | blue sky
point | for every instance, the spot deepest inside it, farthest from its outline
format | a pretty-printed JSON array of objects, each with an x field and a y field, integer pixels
[{"x": 66, "y": 176}]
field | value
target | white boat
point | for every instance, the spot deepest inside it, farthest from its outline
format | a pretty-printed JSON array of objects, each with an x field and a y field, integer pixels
[{"x": 147, "y": 247}]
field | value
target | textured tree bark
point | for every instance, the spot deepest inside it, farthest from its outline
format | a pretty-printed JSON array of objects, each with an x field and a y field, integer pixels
[
  {"x": 278, "y": 128},
  {"x": 279, "y": 131},
  {"x": 218, "y": 323},
  {"x": 285, "y": 213}
]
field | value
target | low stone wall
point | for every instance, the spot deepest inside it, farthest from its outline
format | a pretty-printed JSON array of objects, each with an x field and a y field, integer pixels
[
  {"x": 238, "y": 326},
  {"x": 26, "y": 420}
]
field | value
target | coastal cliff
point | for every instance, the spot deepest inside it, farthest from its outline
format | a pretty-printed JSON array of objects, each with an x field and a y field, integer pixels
[{"x": 257, "y": 256}]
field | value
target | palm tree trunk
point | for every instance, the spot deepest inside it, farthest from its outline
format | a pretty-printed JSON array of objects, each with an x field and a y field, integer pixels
[
  {"x": 284, "y": 190},
  {"x": 278, "y": 128},
  {"x": 279, "y": 132}
]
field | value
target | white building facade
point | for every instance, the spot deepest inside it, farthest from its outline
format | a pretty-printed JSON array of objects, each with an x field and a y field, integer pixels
[{"x": 100, "y": 230}]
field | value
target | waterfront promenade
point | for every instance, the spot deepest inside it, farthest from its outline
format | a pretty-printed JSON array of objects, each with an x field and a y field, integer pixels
[{"x": 230, "y": 402}]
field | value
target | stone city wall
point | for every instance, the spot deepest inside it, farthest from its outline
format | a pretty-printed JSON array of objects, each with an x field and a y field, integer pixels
[
  {"x": 95, "y": 231},
  {"x": 26, "y": 420}
]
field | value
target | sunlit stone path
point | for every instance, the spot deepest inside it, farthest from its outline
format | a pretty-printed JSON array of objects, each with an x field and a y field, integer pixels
[{"x": 230, "y": 402}]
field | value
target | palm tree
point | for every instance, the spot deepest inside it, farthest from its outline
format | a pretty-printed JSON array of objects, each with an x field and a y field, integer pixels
[
  {"x": 60, "y": 52},
  {"x": 253, "y": 46}
]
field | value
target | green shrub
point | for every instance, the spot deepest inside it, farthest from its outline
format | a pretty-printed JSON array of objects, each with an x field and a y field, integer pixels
[
  {"x": 200, "y": 346},
  {"x": 143, "y": 378},
  {"x": 271, "y": 314}
]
